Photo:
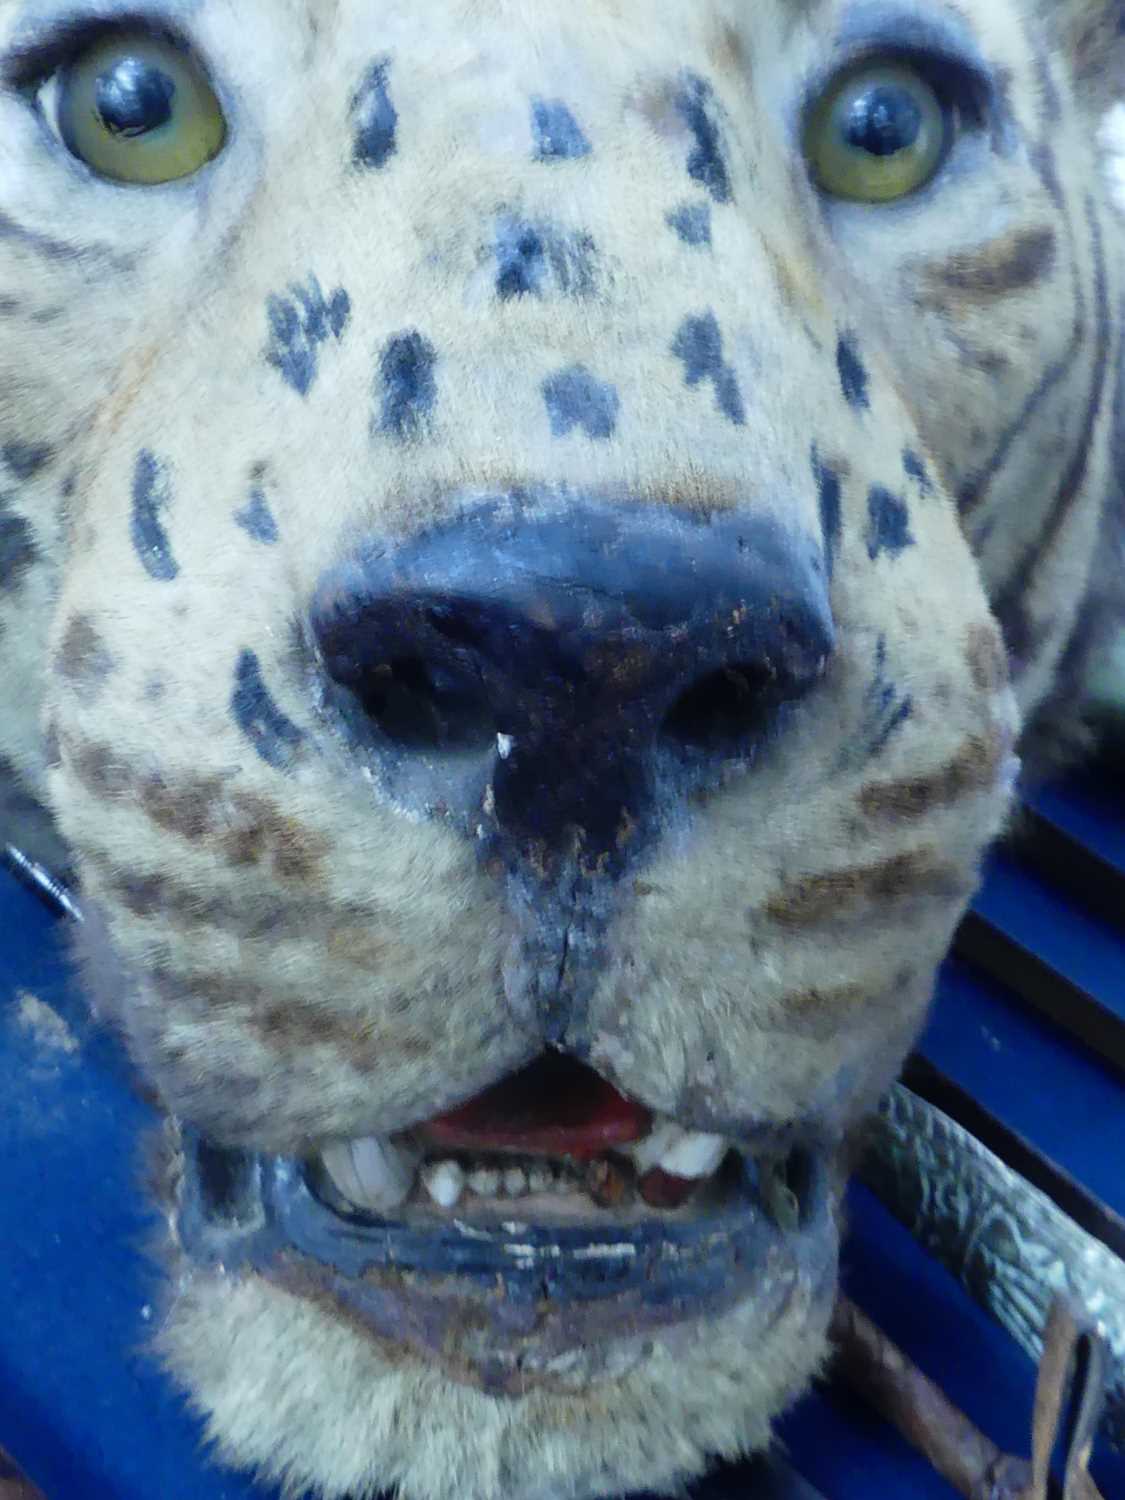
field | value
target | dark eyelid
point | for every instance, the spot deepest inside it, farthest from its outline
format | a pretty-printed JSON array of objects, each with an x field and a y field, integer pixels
[
  {"x": 34, "y": 57},
  {"x": 941, "y": 48}
]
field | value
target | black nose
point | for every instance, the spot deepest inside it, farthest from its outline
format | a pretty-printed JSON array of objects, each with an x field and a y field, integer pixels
[{"x": 573, "y": 652}]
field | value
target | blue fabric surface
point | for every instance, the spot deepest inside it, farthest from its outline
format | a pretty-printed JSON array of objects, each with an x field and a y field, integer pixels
[
  {"x": 1055, "y": 929},
  {"x": 1037, "y": 1080}
]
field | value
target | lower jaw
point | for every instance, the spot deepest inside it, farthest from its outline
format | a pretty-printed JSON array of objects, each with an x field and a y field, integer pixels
[{"x": 511, "y": 1306}]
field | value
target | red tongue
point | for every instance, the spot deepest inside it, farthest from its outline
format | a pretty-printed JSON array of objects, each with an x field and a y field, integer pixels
[{"x": 553, "y": 1107}]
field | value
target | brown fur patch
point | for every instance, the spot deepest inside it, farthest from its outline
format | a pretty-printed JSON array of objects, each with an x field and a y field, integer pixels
[
  {"x": 729, "y": 53},
  {"x": 97, "y": 767},
  {"x": 287, "y": 1024},
  {"x": 184, "y": 807},
  {"x": 819, "y": 1013},
  {"x": 818, "y": 898},
  {"x": 973, "y": 769},
  {"x": 1010, "y": 263},
  {"x": 986, "y": 658},
  {"x": 246, "y": 827},
  {"x": 83, "y": 657},
  {"x": 257, "y": 828}
]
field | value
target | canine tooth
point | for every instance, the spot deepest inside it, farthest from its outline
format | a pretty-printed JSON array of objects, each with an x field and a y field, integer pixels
[
  {"x": 695, "y": 1155},
  {"x": 515, "y": 1181},
  {"x": 371, "y": 1172},
  {"x": 646, "y": 1152},
  {"x": 485, "y": 1182},
  {"x": 443, "y": 1180}
]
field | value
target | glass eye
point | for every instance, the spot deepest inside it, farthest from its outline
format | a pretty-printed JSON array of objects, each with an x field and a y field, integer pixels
[
  {"x": 136, "y": 108},
  {"x": 878, "y": 133}
]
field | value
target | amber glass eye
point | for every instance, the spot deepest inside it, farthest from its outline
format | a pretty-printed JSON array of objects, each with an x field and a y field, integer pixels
[
  {"x": 878, "y": 133},
  {"x": 137, "y": 109}
]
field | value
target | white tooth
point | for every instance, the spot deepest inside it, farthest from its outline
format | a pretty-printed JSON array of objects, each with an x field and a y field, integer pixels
[
  {"x": 443, "y": 1180},
  {"x": 485, "y": 1182},
  {"x": 695, "y": 1155},
  {"x": 372, "y": 1172},
  {"x": 660, "y": 1139},
  {"x": 540, "y": 1178},
  {"x": 515, "y": 1181}
]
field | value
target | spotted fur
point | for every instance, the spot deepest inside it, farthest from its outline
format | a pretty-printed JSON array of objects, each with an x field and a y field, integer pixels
[{"x": 453, "y": 250}]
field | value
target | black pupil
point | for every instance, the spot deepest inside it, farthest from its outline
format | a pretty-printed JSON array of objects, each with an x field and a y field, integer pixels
[
  {"x": 133, "y": 97},
  {"x": 883, "y": 121}
]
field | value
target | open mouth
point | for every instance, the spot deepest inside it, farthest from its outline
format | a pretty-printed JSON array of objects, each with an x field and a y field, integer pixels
[{"x": 535, "y": 1234}]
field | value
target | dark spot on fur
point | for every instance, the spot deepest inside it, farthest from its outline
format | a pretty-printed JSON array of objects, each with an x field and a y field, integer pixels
[
  {"x": 828, "y": 499},
  {"x": 98, "y": 767},
  {"x": 853, "y": 373},
  {"x": 695, "y": 104},
  {"x": 374, "y": 118},
  {"x": 83, "y": 658},
  {"x": 889, "y": 528},
  {"x": 152, "y": 494},
  {"x": 298, "y": 325},
  {"x": 558, "y": 135},
  {"x": 1042, "y": 158},
  {"x": 406, "y": 371},
  {"x": 26, "y": 459},
  {"x": 885, "y": 709},
  {"x": 814, "y": 899},
  {"x": 699, "y": 344},
  {"x": 1025, "y": 636},
  {"x": 256, "y": 518},
  {"x": 537, "y": 258},
  {"x": 973, "y": 769},
  {"x": 692, "y": 222},
  {"x": 1010, "y": 263},
  {"x": 986, "y": 658},
  {"x": 52, "y": 752},
  {"x": 18, "y": 551},
  {"x": 143, "y": 895},
  {"x": 916, "y": 470},
  {"x": 274, "y": 736},
  {"x": 1048, "y": 92},
  {"x": 575, "y": 398}
]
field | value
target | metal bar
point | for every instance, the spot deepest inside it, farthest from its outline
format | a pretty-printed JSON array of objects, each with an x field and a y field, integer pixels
[
  {"x": 926, "y": 1080},
  {"x": 1004, "y": 1240},
  {"x": 54, "y": 892}
]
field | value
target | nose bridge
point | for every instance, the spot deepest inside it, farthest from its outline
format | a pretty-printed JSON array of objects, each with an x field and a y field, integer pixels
[{"x": 569, "y": 244}]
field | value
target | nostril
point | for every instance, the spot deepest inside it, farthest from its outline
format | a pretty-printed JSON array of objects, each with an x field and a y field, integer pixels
[
  {"x": 419, "y": 704},
  {"x": 724, "y": 710}
]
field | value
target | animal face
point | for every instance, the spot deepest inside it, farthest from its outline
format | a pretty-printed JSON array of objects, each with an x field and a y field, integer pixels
[{"x": 511, "y": 516}]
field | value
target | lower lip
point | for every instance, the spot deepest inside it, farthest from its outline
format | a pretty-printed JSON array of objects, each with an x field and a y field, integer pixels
[{"x": 496, "y": 1306}]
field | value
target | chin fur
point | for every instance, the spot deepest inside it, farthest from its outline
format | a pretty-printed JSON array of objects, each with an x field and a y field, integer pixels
[{"x": 289, "y": 1390}]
